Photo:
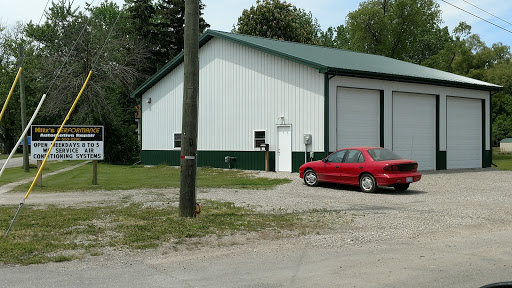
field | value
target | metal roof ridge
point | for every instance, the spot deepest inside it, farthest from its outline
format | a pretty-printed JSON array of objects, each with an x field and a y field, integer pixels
[{"x": 313, "y": 63}]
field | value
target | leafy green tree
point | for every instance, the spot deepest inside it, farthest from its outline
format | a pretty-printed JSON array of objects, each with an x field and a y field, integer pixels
[
  {"x": 73, "y": 42},
  {"x": 170, "y": 28},
  {"x": 10, "y": 126},
  {"x": 335, "y": 37},
  {"x": 501, "y": 73},
  {"x": 466, "y": 54},
  {"x": 402, "y": 29},
  {"x": 279, "y": 20},
  {"x": 160, "y": 26}
]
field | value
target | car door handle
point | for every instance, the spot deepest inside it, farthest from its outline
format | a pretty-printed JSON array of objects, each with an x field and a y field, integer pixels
[
  {"x": 360, "y": 167},
  {"x": 337, "y": 166}
]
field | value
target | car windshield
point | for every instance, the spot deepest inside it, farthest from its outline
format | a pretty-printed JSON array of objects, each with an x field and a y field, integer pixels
[{"x": 383, "y": 154}]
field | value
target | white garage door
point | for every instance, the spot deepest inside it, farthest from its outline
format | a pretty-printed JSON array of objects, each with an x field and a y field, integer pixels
[
  {"x": 414, "y": 128},
  {"x": 357, "y": 117},
  {"x": 464, "y": 133}
]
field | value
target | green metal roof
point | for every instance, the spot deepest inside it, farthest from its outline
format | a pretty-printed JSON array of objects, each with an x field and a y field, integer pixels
[
  {"x": 334, "y": 62},
  {"x": 506, "y": 140}
]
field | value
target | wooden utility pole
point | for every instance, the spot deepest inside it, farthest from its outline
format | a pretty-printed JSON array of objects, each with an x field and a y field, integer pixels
[
  {"x": 188, "y": 161},
  {"x": 23, "y": 111}
]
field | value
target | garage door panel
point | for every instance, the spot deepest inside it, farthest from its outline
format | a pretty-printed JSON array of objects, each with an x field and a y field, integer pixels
[
  {"x": 414, "y": 128},
  {"x": 358, "y": 117},
  {"x": 464, "y": 133}
]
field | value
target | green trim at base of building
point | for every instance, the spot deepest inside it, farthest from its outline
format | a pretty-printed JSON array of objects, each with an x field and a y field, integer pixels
[
  {"x": 255, "y": 160},
  {"x": 245, "y": 160},
  {"x": 487, "y": 159},
  {"x": 441, "y": 160}
]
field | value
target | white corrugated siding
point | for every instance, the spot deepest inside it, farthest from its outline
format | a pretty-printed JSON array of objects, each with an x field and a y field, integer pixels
[
  {"x": 241, "y": 90},
  {"x": 160, "y": 119}
]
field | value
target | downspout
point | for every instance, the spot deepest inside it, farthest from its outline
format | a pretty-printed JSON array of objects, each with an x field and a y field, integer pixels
[
  {"x": 327, "y": 77},
  {"x": 490, "y": 121}
]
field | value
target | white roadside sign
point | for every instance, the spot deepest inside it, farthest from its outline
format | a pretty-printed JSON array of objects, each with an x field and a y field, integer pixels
[{"x": 73, "y": 143}]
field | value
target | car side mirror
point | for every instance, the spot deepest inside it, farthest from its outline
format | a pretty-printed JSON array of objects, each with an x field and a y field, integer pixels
[{"x": 324, "y": 160}]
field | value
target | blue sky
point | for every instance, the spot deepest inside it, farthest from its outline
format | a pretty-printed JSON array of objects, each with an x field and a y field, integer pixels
[{"x": 223, "y": 14}]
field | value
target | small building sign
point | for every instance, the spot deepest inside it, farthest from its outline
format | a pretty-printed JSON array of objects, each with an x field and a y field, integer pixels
[{"x": 73, "y": 143}]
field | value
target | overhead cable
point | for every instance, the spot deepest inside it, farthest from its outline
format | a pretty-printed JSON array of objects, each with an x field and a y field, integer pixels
[
  {"x": 488, "y": 12},
  {"x": 69, "y": 53},
  {"x": 478, "y": 17}
]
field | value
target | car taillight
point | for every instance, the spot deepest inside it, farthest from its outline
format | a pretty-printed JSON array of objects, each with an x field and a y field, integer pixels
[
  {"x": 391, "y": 168},
  {"x": 402, "y": 167}
]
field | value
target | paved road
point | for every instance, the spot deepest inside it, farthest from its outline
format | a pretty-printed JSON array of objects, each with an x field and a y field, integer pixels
[{"x": 464, "y": 261}]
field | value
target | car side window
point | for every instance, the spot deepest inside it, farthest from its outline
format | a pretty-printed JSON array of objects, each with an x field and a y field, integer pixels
[
  {"x": 336, "y": 157},
  {"x": 354, "y": 156}
]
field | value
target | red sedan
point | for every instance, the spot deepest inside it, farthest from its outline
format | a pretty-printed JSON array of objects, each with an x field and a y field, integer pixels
[{"x": 368, "y": 167}]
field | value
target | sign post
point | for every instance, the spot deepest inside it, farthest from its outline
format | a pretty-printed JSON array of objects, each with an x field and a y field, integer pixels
[
  {"x": 40, "y": 178},
  {"x": 94, "y": 172},
  {"x": 74, "y": 143}
]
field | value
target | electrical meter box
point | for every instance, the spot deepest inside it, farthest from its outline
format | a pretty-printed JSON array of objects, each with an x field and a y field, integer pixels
[{"x": 307, "y": 139}]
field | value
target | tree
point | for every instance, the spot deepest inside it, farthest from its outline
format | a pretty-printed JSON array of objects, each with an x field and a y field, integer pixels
[
  {"x": 501, "y": 74},
  {"x": 402, "y": 29},
  {"x": 335, "y": 38},
  {"x": 160, "y": 27},
  {"x": 279, "y": 20},
  {"x": 466, "y": 54},
  {"x": 10, "y": 126},
  {"x": 74, "y": 42}
]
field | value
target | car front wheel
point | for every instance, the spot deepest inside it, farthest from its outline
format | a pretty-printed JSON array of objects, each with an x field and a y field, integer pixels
[
  {"x": 401, "y": 187},
  {"x": 367, "y": 183},
  {"x": 310, "y": 178}
]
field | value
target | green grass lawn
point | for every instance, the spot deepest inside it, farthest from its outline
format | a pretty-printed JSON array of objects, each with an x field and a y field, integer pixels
[
  {"x": 49, "y": 233},
  {"x": 17, "y": 173},
  {"x": 503, "y": 161},
  {"x": 16, "y": 155},
  {"x": 116, "y": 177}
]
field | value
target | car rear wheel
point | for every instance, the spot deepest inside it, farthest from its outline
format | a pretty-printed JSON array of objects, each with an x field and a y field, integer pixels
[
  {"x": 310, "y": 178},
  {"x": 401, "y": 187},
  {"x": 367, "y": 183}
]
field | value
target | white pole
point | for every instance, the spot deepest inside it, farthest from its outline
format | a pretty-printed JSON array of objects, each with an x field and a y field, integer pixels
[{"x": 23, "y": 134}]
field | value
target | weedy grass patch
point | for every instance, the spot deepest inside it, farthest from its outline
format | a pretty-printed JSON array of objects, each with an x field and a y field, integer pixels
[{"x": 58, "y": 234}]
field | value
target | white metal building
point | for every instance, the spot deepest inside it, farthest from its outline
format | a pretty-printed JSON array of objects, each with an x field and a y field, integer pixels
[{"x": 255, "y": 90}]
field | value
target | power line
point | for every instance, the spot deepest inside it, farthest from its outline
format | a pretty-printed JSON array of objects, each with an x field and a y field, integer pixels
[
  {"x": 69, "y": 53},
  {"x": 478, "y": 17},
  {"x": 105, "y": 43},
  {"x": 487, "y": 12},
  {"x": 42, "y": 14}
]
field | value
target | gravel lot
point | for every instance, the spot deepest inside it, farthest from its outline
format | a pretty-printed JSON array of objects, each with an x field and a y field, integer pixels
[
  {"x": 451, "y": 229},
  {"x": 442, "y": 203}
]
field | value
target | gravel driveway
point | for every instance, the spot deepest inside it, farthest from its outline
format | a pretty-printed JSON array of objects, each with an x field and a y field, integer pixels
[
  {"x": 451, "y": 229},
  {"x": 442, "y": 203}
]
